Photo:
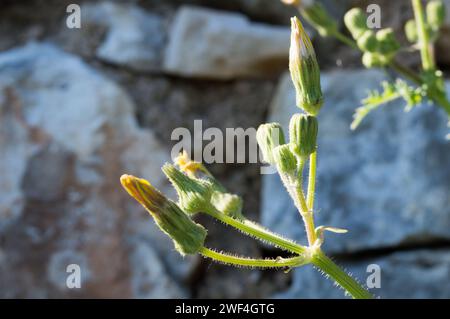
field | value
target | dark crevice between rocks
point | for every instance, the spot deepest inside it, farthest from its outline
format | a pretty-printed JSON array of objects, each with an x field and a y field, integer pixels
[{"x": 431, "y": 244}]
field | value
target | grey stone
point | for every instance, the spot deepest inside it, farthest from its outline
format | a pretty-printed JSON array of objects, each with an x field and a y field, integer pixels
[
  {"x": 413, "y": 274},
  {"x": 67, "y": 134},
  {"x": 443, "y": 43},
  {"x": 131, "y": 37},
  {"x": 206, "y": 43},
  {"x": 387, "y": 182},
  {"x": 150, "y": 278}
]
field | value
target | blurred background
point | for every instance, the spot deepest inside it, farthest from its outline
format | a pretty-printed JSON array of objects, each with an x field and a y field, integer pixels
[{"x": 81, "y": 106}]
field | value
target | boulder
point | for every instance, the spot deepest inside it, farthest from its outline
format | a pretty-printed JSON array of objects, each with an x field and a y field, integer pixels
[
  {"x": 67, "y": 134},
  {"x": 206, "y": 43},
  {"x": 122, "y": 34}
]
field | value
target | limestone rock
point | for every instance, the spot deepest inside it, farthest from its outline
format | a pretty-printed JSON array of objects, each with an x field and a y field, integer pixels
[
  {"x": 205, "y": 43},
  {"x": 123, "y": 34},
  {"x": 67, "y": 134}
]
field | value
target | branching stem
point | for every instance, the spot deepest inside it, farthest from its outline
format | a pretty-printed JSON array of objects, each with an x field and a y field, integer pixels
[{"x": 253, "y": 262}]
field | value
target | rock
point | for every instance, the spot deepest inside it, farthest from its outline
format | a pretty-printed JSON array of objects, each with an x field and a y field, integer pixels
[
  {"x": 150, "y": 278},
  {"x": 386, "y": 182},
  {"x": 67, "y": 134},
  {"x": 413, "y": 274},
  {"x": 274, "y": 12},
  {"x": 443, "y": 43},
  {"x": 205, "y": 43},
  {"x": 119, "y": 33}
]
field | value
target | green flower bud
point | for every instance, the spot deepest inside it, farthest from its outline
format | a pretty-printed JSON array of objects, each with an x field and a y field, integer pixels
[
  {"x": 371, "y": 60},
  {"x": 305, "y": 72},
  {"x": 269, "y": 136},
  {"x": 286, "y": 160},
  {"x": 435, "y": 14},
  {"x": 388, "y": 44},
  {"x": 356, "y": 22},
  {"x": 188, "y": 236},
  {"x": 411, "y": 31},
  {"x": 228, "y": 204},
  {"x": 194, "y": 195},
  {"x": 368, "y": 42},
  {"x": 303, "y": 134},
  {"x": 319, "y": 18}
]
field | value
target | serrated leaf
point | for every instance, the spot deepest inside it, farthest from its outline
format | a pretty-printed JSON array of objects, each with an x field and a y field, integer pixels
[{"x": 390, "y": 92}]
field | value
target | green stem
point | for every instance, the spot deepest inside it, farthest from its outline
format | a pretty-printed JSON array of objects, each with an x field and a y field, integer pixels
[
  {"x": 312, "y": 181},
  {"x": 406, "y": 72},
  {"x": 251, "y": 262},
  {"x": 258, "y": 232},
  {"x": 424, "y": 39},
  {"x": 345, "y": 39},
  {"x": 297, "y": 194},
  {"x": 321, "y": 261},
  {"x": 441, "y": 100}
]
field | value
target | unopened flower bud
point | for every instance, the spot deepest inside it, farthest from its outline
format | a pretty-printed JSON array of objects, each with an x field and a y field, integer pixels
[
  {"x": 194, "y": 194},
  {"x": 367, "y": 41},
  {"x": 303, "y": 134},
  {"x": 304, "y": 70},
  {"x": 286, "y": 160},
  {"x": 228, "y": 204},
  {"x": 269, "y": 136},
  {"x": 435, "y": 14},
  {"x": 411, "y": 31},
  {"x": 187, "y": 235},
  {"x": 371, "y": 60},
  {"x": 319, "y": 18},
  {"x": 387, "y": 43},
  {"x": 355, "y": 21}
]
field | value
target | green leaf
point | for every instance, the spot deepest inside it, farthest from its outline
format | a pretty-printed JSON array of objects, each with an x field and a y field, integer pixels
[{"x": 390, "y": 92}]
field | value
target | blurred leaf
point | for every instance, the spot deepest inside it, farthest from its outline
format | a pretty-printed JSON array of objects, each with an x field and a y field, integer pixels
[{"x": 391, "y": 91}]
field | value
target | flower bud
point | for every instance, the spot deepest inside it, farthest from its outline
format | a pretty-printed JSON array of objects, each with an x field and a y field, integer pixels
[
  {"x": 285, "y": 159},
  {"x": 371, "y": 60},
  {"x": 187, "y": 235},
  {"x": 303, "y": 134},
  {"x": 318, "y": 17},
  {"x": 304, "y": 70},
  {"x": 355, "y": 21},
  {"x": 194, "y": 195},
  {"x": 435, "y": 14},
  {"x": 228, "y": 204},
  {"x": 269, "y": 136},
  {"x": 411, "y": 31},
  {"x": 387, "y": 43},
  {"x": 367, "y": 41}
]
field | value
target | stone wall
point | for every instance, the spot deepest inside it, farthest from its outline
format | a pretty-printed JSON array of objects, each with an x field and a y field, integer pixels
[{"x": 80, "y": 107}]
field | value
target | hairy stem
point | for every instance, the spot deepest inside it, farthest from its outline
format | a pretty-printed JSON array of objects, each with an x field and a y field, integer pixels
[
  {"x": 251, "y": 262},
  {"x": 312, "y": 181},
  {"x": 321, "y": 261},
  {"x": 258, "y": 232}
]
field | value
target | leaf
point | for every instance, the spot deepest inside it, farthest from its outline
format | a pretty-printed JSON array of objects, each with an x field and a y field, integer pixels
[{"x": 391, "y": 91}]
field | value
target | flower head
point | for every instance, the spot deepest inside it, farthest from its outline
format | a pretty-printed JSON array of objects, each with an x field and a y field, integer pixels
[
  {"x": 269, "y": 136},
  {"x": 188, "y": 237},
  {"x": 303, "y": 134},
  {"x": 305, "y": 72},
  {"x": 194, "y": 194},
  {"x": 189, "y": 166}
]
